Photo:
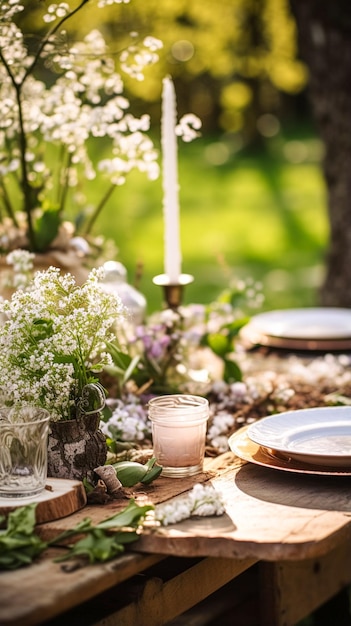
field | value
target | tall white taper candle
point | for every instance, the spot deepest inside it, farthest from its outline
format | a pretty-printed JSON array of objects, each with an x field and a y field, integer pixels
[{"x": 172, "y": 260}]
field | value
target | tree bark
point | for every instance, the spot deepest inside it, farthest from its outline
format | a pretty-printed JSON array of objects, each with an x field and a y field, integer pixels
[
  {"x": 324, "y": 35},
  {"x": 76, "y": 447}
]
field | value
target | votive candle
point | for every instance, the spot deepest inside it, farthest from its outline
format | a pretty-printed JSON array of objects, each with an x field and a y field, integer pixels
[{"x": 179, "y": 424}]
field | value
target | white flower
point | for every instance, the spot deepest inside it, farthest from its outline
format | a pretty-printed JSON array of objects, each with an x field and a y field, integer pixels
[
  {"x": 54, "y": 340},
  {"x": 136, "y": 57},
  {"x": 22, "y": 263},
  {"x": 188, "y": 127},
  {"x": 105, "y": 3},
  {"x": 202, "y": 500},
  {"x": 128, "y": 421},
  {"x": 83, "y": 99}
]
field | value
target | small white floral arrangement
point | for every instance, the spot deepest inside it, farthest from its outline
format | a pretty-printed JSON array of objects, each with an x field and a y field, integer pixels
[
  {"x": 202, "y": 501},
  {"x": 53, "y": 342}
]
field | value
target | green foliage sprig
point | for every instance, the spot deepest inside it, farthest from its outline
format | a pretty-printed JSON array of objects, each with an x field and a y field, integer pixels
[{"x": 20, "y": 545}]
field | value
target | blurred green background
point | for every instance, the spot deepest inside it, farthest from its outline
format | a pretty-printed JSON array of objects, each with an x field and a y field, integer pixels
[
  {"x": 259, "y": 215},
  {"x": 252, "y": 194}
]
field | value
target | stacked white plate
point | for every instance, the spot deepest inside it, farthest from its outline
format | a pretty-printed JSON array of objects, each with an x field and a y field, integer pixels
[
  {"x": 316, "y": 440},
  {"x": 323, "y": 328},
  {"x": 321, "y": 436}
]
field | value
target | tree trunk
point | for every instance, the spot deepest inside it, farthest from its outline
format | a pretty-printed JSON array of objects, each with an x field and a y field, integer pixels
[{"x": 324, "y": 32}]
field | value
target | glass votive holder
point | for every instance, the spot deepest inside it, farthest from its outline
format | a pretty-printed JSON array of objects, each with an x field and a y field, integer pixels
[
  {"x": 179, "y": 424},
  {"x": 23, "y": 450}
]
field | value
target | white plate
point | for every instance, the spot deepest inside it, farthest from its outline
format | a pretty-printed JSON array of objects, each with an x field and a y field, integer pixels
[
  {"x": 320, "y": 436},
  {"x": 249, "y": 451},
  {"x": 309, "y": 323}
]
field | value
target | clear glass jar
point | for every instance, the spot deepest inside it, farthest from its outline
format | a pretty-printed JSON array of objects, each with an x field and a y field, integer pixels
[
  {"x": 179, "y": 424},
  {"x": 23, "y": 450}
]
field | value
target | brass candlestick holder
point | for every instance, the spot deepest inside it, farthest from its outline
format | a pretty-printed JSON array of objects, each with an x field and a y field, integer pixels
[{"x": 173, "y": 292}]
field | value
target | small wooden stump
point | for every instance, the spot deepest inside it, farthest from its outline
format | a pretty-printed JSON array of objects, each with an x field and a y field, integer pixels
[{"x": 59, "y": 499}]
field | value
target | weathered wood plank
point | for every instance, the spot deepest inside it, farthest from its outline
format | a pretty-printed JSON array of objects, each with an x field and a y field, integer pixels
[
  {"x": 269, "y": 515},
  {"x": 161, "y": 601},
  {"x": 33, "y": 595},
  {"x": 157, "y": 492}
]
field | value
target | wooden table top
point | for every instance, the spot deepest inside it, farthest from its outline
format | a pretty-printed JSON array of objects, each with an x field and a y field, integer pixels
[{"x": 270, "y": 516}]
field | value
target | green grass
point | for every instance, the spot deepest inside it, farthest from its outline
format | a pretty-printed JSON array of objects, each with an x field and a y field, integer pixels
[{"x": 256, "y": 215}]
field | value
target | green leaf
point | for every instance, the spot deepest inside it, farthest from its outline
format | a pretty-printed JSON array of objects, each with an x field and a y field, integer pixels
[
  {"x": 132, "y": 366},
  {"x": 124, "y": 364},
  {"x": 116, "y": 445},
  {"x": 88, "y": 486},
  {"x": 46, "y": 228},
  {"x": 84, "y": 526},
  {"x": 96, "y": 546},
  {"x": 62, "y": 358},
  {"x": 130, "y": 472},
  {"x": 152, "y": 474},
  {"x": 234, "y": 327},
  {"x": 126, "y": 537},
  {"x": 120, "y": 359},
  {"x": 41, "y": 329},
  {"x": 130, "y": 516},
  {"x": 22, "y": 520},
  {"x": 19, "y": 544},
  {"x": 232, "y": 371},
  {"x": 218, "y": 343}
]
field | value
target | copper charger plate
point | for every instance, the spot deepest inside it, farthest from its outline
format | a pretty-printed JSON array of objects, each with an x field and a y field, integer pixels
[
  {"x": 247, "y": 450},
  {"x": 251, "y": 337}
]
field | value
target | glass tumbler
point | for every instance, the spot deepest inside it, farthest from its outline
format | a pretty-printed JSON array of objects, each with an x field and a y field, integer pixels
[
  {"x": 23, "y": 450},
  {"x": 179, "y": 424}
]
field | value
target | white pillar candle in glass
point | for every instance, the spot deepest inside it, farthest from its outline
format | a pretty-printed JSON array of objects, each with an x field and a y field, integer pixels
[
  {"x": 172, "y": 260},
  {"x": 179, "y": 424}
]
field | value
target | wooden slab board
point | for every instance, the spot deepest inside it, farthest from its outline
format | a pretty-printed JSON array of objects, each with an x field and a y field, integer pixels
[
  {"x": 269, "y": 515},
  {"x": 159, "y": 491},
  {"x": 60, "y": 498}
]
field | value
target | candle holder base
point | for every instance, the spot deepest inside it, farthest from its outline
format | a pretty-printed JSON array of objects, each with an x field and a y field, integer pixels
[{"x": 173, "y": 292}]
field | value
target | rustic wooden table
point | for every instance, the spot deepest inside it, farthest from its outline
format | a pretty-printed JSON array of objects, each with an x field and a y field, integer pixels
[{"x": 284, "y": 542}]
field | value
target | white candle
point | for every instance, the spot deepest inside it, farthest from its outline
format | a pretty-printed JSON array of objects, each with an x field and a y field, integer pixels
[{"x": 172, "y": 260}]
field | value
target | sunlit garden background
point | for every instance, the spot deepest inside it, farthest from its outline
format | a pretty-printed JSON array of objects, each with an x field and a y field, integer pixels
[
  {"x": 252, "y": 195},
  {"x": 259, "y": 215}
]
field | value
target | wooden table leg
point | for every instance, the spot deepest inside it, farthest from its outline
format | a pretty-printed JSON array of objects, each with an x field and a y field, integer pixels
[{"x": 292, "y": 590}]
